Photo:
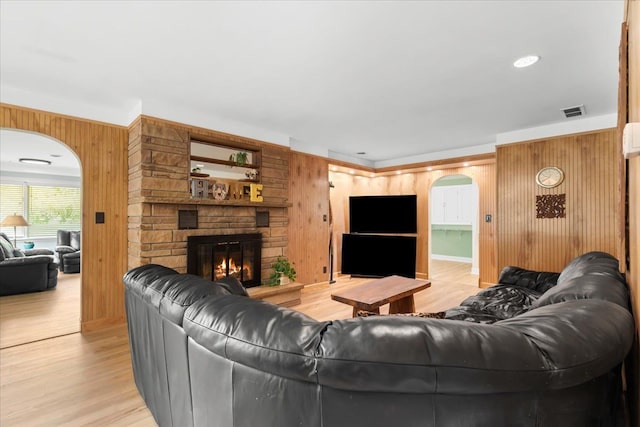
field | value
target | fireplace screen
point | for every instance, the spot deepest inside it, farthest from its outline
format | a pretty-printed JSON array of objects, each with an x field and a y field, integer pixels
[{"x": 215, "y": 257}]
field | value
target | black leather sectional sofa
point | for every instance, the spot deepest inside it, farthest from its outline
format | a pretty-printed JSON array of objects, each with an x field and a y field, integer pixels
[{"x": 539, "y": 349}]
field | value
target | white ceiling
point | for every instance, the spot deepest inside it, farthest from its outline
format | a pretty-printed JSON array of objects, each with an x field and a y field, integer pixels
[{"x": 396, "y": 80}]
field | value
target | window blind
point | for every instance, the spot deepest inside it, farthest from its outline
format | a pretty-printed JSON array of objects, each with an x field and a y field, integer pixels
[
  {"x": 51, "y": 209},
  {"x": 46, "y": 208}
]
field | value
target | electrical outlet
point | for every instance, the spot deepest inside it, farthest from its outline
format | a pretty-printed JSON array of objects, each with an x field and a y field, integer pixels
[{"x": 487, "y": 218}]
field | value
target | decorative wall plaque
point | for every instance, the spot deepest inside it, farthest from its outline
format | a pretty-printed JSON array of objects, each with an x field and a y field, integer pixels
[{"x": 551, "y": 206}]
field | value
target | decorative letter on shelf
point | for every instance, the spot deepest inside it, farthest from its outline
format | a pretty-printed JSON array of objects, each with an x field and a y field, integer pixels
[
  {"x": 256, "y": 193},
  {"x": 551, "y": 206}
]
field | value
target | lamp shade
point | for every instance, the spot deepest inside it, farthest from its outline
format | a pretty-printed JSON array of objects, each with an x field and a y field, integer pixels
[{"x": 14, "y": 221}]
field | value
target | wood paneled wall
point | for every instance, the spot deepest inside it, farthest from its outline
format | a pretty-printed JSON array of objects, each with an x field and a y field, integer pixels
[
  {"x": 590, "y": 164},
  {"x": 632, "y": 367},
  {"x": 309, "y": 217},
  {"x": 102, "y": 151},
  {"x": 420, "y": 183}
]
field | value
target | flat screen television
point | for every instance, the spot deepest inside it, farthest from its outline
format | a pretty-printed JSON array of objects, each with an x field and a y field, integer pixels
[
  {"x": 368, "y": 255},
  {"x": 383, "y": 214}
]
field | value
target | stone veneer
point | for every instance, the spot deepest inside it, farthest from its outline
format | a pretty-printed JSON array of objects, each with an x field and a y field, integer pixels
[{"x": 159, "y": 187}]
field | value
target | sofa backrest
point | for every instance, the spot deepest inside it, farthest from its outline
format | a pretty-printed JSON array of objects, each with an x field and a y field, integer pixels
[
  {"x": 69, "y": 238},
  {"x": 594, "y": 275}
]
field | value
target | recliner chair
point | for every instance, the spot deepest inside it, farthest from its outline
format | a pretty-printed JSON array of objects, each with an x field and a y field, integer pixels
[{"x": 68, "y": 250}]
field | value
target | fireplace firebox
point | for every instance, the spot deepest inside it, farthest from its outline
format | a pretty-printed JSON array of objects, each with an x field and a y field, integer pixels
[{"x": 236, "y": 255}]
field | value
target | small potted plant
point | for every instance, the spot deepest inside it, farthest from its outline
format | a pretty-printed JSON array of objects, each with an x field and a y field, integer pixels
[
  {"x": 283, "y": 272},
  {"x": 240, "y": 158}
]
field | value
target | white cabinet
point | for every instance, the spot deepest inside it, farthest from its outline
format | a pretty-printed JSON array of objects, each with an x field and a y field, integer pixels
[{"x": 453, "y": 204}]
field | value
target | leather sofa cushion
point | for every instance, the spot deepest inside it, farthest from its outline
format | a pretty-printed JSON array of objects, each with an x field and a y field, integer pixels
[
  {"x": 257, "y": 334},
  {"x": 233, "y": 286},
  {"x": 594, "y": 275},
  {"x": 172, "y": 294},
  {"x": 540, "y": 281},
  {"x": 139, "y": 278},
  {"x": 498, "y": 302},
  {"x": 599, "y": 263},
  {"x": 589, "y": 286},
  {"x": 74, "y": 239}
]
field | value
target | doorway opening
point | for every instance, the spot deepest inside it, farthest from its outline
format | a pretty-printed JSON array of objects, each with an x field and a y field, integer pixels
[
  {"x": 49, "y": 197},
  {"x": 453, "y": 225}
]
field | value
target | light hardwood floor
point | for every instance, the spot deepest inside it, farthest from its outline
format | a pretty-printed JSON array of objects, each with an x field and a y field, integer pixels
[
  {"x": 40, "y": 315},
  {"x": 86, "y": 380}
]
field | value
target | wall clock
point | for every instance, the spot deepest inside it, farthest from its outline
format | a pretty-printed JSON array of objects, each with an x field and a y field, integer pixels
[{"x": 549, "y": 177}]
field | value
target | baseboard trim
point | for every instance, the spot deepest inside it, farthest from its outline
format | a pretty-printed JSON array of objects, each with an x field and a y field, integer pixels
[{"x": 451, "y": 258}]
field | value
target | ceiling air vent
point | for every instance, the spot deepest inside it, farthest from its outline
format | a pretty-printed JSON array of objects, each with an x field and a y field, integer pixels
[{"x": 576, "y": 111}]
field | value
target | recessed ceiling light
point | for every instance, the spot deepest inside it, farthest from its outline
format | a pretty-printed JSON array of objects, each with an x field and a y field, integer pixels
[
  {"x": 465, "y": 164},
  {"x": 526, "y": 61},
  {"x": 429, "y": 168},
  {"x": 35, "y": 161}
]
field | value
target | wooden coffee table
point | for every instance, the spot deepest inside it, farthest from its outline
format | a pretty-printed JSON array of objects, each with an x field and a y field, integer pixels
[{"x": 396, "y": 291}]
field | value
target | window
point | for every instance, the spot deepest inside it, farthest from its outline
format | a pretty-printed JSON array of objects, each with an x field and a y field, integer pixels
[{"x": 46, "y": 208}]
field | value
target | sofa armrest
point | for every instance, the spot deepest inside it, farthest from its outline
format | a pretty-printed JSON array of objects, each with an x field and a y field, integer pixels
[
  {"x": 27, "y": 260},
  {"x": 65, "y": 249},
  {"x": 32, "y": 252}
]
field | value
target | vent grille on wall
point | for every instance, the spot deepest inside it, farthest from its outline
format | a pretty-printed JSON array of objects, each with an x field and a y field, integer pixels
[{"x": 576, "y": 111}]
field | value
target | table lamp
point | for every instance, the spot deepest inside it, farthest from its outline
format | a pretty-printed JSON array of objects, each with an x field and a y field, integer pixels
[{"x": 14, "y": 221}]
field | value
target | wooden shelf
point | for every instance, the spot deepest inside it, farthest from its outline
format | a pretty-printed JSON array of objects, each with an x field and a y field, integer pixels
[
  {"x": 196, "y": 201},
  {"x": 224, "y": 162}
]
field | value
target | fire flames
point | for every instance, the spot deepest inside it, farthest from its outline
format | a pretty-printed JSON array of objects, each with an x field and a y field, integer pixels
[{"x": 234, "y": 270}]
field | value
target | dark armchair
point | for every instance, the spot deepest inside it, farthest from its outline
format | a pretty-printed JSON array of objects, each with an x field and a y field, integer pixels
[
  {"x": 68, "y": 250},
  {"x": 25, "y": 271}
]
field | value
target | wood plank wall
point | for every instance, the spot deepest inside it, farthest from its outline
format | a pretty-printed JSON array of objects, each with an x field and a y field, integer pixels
[
  {"x": 590, "y": 164},
  {"x": 309, "y": 217},
  {"x": 632, "y": 367},
  {"x": 420, "y": 183},
  {"x": 102, "y": 151}
]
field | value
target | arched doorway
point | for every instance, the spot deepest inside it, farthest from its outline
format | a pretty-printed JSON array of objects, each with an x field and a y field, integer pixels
[
  {"x": 49, "y": 197},
  {"x": 453, "y": 229}
]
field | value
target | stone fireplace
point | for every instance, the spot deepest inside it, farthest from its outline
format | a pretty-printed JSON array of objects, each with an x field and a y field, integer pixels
[
  {"x": 218, "y": 256},
  {"x": 159, "y": 173}
]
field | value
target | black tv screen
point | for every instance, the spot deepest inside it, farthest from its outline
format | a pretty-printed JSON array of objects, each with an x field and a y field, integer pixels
[
  {"x": 378, "y": 256},
  {"x": 383, "y": 214}
]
